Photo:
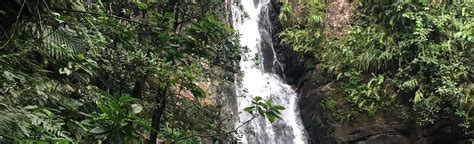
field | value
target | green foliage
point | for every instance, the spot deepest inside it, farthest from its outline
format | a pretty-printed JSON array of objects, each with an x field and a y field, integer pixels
[
  {"x": 285, "y": 12},
  {"x": 367, "y": 97},
  {"x": 62, "y": 64},
  {"x": 117, "y": 119},
  {"x": 396, "y": 51},
  {"x": 335, "y": 113},
  {"x": 189, "y": 122},
  {"x": 32, "y": 122},
  {"x": 304, "y": 26},
  {"x": 265, "y": 108}
]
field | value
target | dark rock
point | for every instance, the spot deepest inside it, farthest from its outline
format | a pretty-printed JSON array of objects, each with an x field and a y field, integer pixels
[
  {"x": 289, "y": 64},
  {"x": 387, "y": 139},
  {"x": 364, "y": 128},
  {"x": 311, "y": 92}
]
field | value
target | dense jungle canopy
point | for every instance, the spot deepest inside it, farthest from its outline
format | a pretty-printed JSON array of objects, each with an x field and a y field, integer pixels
[{"x": 148, "y": 71}]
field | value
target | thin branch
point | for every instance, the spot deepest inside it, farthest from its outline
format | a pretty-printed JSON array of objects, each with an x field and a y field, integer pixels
[
  {"x": 223, "y": 134},
  {"x": 16, "y": 24},
  {"x": 175, "y": 107},
  {"x": 94, "y": 13},
  {"x": 40, "y": 25}
]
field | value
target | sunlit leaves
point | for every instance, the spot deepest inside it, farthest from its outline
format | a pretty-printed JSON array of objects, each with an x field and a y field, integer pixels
[
  {"x": 397, "y": 50},
  {"x": 265, "y": 108},
  {"x": 427, "y": 66},
  {"x": 301, "y": 40},
  {"x": 410, "y": 84},
  {"x": 98, "y": 130},
  {"x": 285, "y": 12},
  {"x": 198, "y": 92},
  {"x": 304, "y": 25},
  {"x": 117, "y": 118}
]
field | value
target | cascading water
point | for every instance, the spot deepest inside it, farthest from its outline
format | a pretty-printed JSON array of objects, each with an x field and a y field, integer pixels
[{"x": 256, "y": 81}]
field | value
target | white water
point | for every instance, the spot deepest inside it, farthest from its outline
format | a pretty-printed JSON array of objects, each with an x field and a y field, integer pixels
[{"x": 256, "y": 82}]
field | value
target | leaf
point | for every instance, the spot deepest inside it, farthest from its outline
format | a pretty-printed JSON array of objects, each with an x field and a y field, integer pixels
[
  {"x": 418, "y": 96},
  {"x": 463, "y": 11},
  {"x": 104, "y": 93},
  {"x": 9, "y": 76},
  {"x": 381, "y": 79},
  {"x": 30, "y": 107},
  {"x": 136, "y": 108},
  {"x": 141, "y": 5},
  {"x": 260, "y": 111},
  {"x": 65, "y": 71},
  {"x": 339, "y": 76},
  {"x": 278, "y": 107},
  {"x": 24, "y": 130},
  {"x": 142, "y": 123},
  {"x": 99, "y": 130},
  {"x": 249, "y": 109},
  {"x": 126, "y": 99},
  {"x": 104, "y": 109},
  {"x": 271, "y": 116},
  {"x": 370, "y": 82},
  {"x": 198, "y": 92},
  {"x": 55, "y": 14}
]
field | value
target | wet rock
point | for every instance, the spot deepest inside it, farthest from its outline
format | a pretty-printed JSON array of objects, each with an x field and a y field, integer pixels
[{"x": 290, "y": 64}]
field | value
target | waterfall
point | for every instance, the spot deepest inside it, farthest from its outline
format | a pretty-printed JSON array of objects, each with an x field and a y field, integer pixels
[{"x": 257, "y": 80}]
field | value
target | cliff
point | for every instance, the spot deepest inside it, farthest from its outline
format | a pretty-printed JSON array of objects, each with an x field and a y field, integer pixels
[{"x": 328, "y": 118}]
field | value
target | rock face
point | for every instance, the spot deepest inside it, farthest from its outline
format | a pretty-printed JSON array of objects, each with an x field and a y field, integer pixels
[
  {"x": 314, "y": 86},
  {"x": 290, "y": 65},
  {"x": 313, "y": 89},
  {"x": 384, "y": 128}
]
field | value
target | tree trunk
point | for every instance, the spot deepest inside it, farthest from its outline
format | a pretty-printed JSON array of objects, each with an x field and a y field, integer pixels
[
  {"x": 157, "y": 114},
  {"x": 158, "y": 111},
  {"x": 138, "y": 86}
]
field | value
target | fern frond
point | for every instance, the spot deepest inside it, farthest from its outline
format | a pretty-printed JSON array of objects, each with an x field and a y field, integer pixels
[
  {"x": 410, "y": 84},
  {"x": 61, "y": 43},
  {"x": 20, "y": 123},
  {"x": 14, "y": 122}
]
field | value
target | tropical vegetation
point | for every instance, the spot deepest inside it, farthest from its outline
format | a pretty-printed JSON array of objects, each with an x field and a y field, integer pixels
[
  {"x": 115, "y": 71},
  {"x": 413, "y": 53}
]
